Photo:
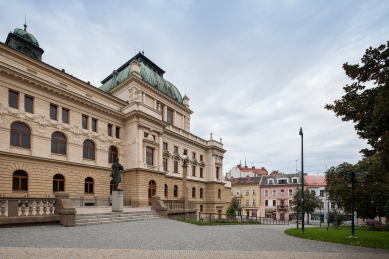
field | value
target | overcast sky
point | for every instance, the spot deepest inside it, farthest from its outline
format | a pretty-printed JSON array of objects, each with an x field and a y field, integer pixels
[{"x": 255, "y": 71}]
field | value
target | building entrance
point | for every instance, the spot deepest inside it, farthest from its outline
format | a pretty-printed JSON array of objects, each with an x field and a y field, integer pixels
[{"x": 152, "y": 190}]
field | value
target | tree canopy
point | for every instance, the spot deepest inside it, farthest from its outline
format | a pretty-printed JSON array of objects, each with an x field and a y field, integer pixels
[
  {"x": 369, "y": 198},
  {"x": 366, "y": 102},
  {"x": 311, "y": 202}
]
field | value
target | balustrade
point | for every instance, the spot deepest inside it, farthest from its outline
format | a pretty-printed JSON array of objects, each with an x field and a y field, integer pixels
[
  {"x": 28, "y": 206},
  {"x": 174, "y": 204}
]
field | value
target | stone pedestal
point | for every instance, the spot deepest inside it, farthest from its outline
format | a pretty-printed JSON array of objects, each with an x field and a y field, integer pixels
[{"x": 117, "y": 201}]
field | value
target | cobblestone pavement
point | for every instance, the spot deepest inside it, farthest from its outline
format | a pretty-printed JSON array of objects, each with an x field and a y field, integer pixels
[{"x": 168, "y": 239}]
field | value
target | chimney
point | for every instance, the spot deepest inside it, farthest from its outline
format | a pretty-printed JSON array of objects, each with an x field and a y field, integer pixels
[
  {"x": 238, "y": 166},
  {"x": 253, "y": 167}
]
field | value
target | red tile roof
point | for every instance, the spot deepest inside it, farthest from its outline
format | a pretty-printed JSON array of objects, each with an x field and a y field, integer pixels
[
  {"x": 315, "y": 180},
  {"x": 245, "y": 180}
]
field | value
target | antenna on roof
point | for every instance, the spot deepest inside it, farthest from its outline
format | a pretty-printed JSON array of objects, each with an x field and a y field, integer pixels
[{"x": 25, "y": 22}]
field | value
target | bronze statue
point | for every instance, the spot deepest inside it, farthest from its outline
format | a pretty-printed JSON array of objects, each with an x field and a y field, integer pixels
[{"x": 116, "y": 178}]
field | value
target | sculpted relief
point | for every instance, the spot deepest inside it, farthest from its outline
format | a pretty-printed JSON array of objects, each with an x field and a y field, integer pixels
[{"x": 135, "y": 95}]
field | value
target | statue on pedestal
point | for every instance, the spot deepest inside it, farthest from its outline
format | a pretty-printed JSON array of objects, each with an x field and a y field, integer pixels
[{"x": 116, "y": 178}]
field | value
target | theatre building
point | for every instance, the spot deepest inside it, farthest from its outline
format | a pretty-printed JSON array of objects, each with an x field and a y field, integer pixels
[{"x": 59, "y": 133}]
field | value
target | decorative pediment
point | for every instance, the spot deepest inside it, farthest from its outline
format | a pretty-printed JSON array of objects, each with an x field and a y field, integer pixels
[
  {"x": 177, "y": 156},
  {"x": 135, "y": 95},
  {"x": 194, "y": 161}
]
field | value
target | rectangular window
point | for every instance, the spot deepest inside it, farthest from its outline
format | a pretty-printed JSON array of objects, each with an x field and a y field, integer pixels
[
  {"x": 193, "y": 171},
  {"x": 165, "y": 164},
  {"x": 13, "y": 99},
  {"x": 254, "y": 202},
  {"x": 176, "y": 166},
  {"x": 109, "y": 132},
  {"x": 290, "y": 192},
  {"x": 149, "y": 156},
  {"x": 266, "y": 192},
  {"x": 332, "y": 206},
  {"x": 201, "y": 208},
  {"x": 270, "y": 181},
  {"x": 321, "y": 193},
  {"x": 53, "y": 112},
  {"x": 274, "y": 202},
  {"x": 94, "y": 125},
  {"x": 28, "y": 104},
  {"x": 284, "y": 181},
  {"x": 201, "y": 158},
  {"x": 194, "y": 155},
  {"x": 274, "y": 193},
  {"x": 164, "y": 146},
  {"x": 282, "y": 192},
  {"x": 290, "y": 203},
  {"x": 175, "y": 150},
  {"x": 239, "y": 192},
  {"x": 247, "y": 202},
  {"x": 201, "y": 172},
  {"x": 169, "y": 116},
  {"x": 254, "y": 192},
  {"x": 294, "y": 180},
  {"x": 239, "y": 202},
  {"x": 217, "y": 172},
  {"x": 84, "y": 122},
  {"x": 65, "y": 115},
  {"x": 118, "y": 132},
  {"x": 266, "y": 203},
  {"x": 247, "y": 192}
]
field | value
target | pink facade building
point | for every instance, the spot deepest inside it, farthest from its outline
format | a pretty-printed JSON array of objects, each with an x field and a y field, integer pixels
[{"x": 277, "y": 192}]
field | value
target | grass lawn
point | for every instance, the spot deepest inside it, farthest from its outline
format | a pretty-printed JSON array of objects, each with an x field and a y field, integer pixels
[
  {"x": 373, "y": 239},
  {"x": 216, "y": 223}
]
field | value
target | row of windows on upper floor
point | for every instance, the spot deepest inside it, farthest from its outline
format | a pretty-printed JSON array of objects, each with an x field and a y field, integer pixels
[
  {"x": 185, "y": 151},
  {"x": 13, "y": 101},
  {"x": 20, "y": 184},
  {"x": 282, "y": 203},
  {"x": 274, "y": 192},
  {"x": 283, "y": 181},
  {"x": 254, "y": 202},
  {"x": 21, "y": 137}
]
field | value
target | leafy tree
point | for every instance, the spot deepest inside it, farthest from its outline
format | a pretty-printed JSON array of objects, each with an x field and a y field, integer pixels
[
  {"x": 369, "y": 200},
  {"x": 231, "y": 212},
  {"x": 336, "y": 217},
  {"x": 366, "y": 100},
  {"x": 234, "y": 203},
  {"x": 311, "y": 202}
]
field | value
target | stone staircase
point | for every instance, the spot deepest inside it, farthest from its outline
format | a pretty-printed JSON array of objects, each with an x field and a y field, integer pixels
[{"x": 114, "y": 217}]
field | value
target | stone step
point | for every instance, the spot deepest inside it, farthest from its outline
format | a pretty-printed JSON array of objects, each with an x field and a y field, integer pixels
[{"x": 114, "y": 217}]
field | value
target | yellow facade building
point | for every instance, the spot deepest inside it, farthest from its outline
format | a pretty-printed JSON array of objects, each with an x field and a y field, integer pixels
[
  {"x": 59, "y": 133},
  {"x": 247, "y": 193}
]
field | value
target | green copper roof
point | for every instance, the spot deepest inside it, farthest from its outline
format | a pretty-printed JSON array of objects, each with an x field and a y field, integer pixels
[
  {"x": 27, "y": 36},
  {"x": 147, "y": 74}
]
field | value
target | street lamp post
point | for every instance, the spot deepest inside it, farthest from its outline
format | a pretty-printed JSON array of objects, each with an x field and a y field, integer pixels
[
  {"x": 296, "y": 165},
  {"x": 302, "y": 181},
  {"x": 351, "y": 180},
  {"x": 185, "y": 170},
  {"x": 320, "y": 212},
  {"x": 297, "y": 205}
]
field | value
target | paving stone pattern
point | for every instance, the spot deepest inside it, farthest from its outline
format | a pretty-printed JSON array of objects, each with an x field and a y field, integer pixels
[{"x": 164, "y": 238}]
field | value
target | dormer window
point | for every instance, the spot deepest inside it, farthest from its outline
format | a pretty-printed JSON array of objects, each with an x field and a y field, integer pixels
[
  {"x": 270, "y": 181},
  {"x": 295, "y": 180},
  {"x": 282, "y": 181}
]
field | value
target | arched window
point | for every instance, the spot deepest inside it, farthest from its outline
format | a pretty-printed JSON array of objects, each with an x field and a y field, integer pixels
[
  {"x": 20, "y": 181},
  {"x": 20, "y": 135},
  {"x": 89, "y": 150},
  {"x": 166, "y": 190},
  {"x": 193, "y": 192},
  {"x": 112, "y": 154},
  {"x": 175, "y": 191},
  {"x": 58, "y": 183},
  {"x": 89, "y": 185},
  {"x": 58, "y": 143},
  {"x": 201, "y": 193},
  {"x": 219, "y": 194}
]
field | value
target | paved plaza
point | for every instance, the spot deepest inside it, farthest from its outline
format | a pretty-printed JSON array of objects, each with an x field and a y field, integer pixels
[{"x": 165, "y": 238}]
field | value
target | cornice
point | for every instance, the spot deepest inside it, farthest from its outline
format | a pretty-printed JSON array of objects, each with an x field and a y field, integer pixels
[
  {"x": 50, "y": 87},
  {"x": 58, "y": 73},
  {"x": 50, "y": 160}
]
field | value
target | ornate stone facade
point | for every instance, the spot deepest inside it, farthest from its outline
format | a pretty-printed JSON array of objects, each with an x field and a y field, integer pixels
[{"x": 134, "y": 120}]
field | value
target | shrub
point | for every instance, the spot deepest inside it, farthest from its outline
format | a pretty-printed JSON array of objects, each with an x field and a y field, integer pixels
[{"x": 375, "y": 225}]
